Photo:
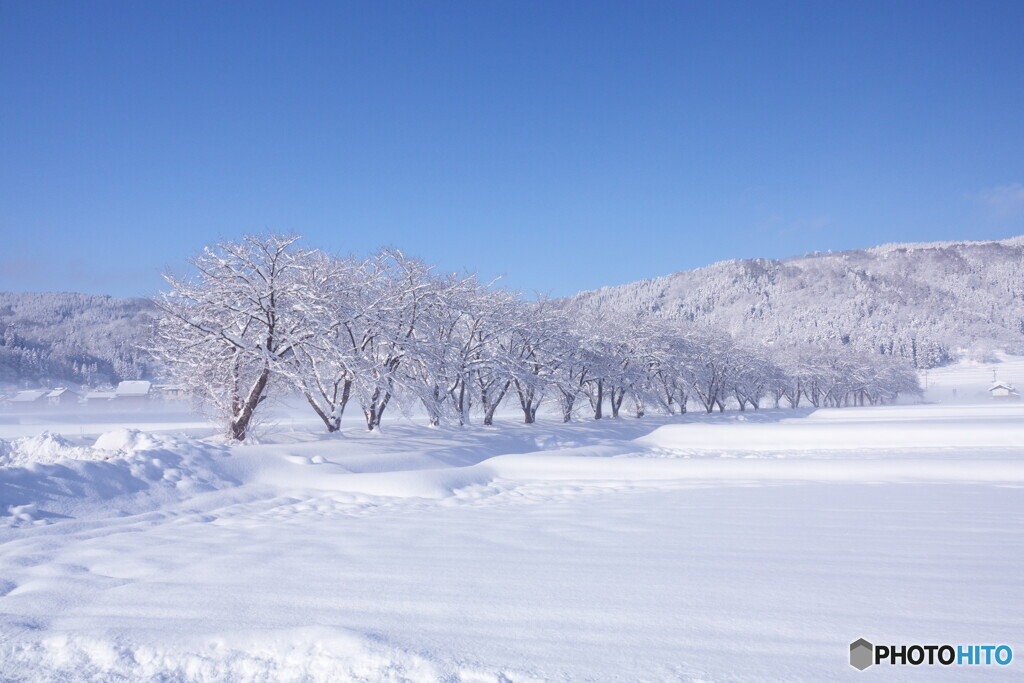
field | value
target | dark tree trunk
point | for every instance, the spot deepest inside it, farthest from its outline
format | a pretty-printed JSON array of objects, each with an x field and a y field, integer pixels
[
  {"x": 332, "y": 420},
  {"x": 528, "y": 402},
  {"x": 462, "y": 404},
  {"x": 670, "y": 405},
  {"x": 600, "y": 399},
  {"x": 244, "y": 408},
  {"x": 375, "y": 410},
  {"x": 568, "y": 401},
  {"x": 491, "y": 401},
  {"x": 616, "y": 400}
]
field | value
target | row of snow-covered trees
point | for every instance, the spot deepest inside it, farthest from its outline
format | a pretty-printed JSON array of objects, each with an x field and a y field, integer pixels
[{"x": 264, "y": 315}]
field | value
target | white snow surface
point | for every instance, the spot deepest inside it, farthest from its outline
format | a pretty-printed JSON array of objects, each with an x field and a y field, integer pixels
[{"x": 741, "y": 546}]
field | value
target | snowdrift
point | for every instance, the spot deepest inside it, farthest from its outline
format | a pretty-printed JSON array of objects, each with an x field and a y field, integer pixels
[{"x": 124, "y": 472}]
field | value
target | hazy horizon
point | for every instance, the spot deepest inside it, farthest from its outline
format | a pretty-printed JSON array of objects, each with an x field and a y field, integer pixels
[{"x": 530, "y": 292}]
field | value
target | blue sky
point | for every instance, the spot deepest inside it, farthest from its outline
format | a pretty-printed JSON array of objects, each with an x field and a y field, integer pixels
[{"x": 567, "y": 145}]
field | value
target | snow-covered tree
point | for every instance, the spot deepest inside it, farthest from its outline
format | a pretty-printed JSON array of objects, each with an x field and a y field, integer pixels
[
  {"x": 222, "y": 333},
  {"x": 386, "y": 336},
  {"x": 335, "y": 295}
]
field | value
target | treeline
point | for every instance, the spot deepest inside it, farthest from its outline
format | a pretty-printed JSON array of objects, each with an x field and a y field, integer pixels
[{"x": 265, "y": 316}]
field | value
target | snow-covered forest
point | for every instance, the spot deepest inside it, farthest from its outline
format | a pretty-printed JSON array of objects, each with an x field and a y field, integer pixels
[
  {"x": 58, "y": 337},
  {"x": 920, "y": 301},
  {"x": 266, "y": 315}
]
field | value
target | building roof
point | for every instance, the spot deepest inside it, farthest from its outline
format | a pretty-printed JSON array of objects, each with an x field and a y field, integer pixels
[
  {"x": 1002, "y": 385},
  {"x": 133, "y": 387},
  {"x": 60, "y": 391},
  {"x": 29, "y": 395},
  {"x": 94, "y": 395}
]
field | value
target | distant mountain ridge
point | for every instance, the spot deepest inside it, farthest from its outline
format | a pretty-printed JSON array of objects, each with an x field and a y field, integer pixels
[
  {"x": 921, "y": 301},
  {"x": 60, "y": 337}
]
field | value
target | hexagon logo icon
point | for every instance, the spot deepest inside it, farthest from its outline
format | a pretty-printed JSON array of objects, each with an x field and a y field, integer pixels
[{"x": 862, "y": 654}]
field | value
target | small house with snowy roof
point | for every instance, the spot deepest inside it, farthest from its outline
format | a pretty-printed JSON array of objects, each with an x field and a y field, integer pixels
[
  {"x": 62, "y": 397},
  {"x": 133, "y": 390},
  {"x": 1001, "y": 391},
  {"x": 29, "y": 399},
  {"x": 99, "y": 397}
]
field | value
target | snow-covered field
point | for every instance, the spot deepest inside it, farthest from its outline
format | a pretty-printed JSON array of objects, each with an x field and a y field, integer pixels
[{"x": 741, "y": 546}]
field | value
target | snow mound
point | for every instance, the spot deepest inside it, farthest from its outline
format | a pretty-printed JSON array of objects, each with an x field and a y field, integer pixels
[
  {"x": 301, "y": 654},
  {"x": 47, "y": 478},
  {"x": 45, "y": 448},
  {"x": 128, "y": 441},
  {"x": 52, "y": 448}
]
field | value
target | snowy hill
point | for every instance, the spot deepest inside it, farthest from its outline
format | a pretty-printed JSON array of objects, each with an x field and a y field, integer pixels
[
  {"x": 64, "y": 337},
  {"x": 920, "y": 301}
]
